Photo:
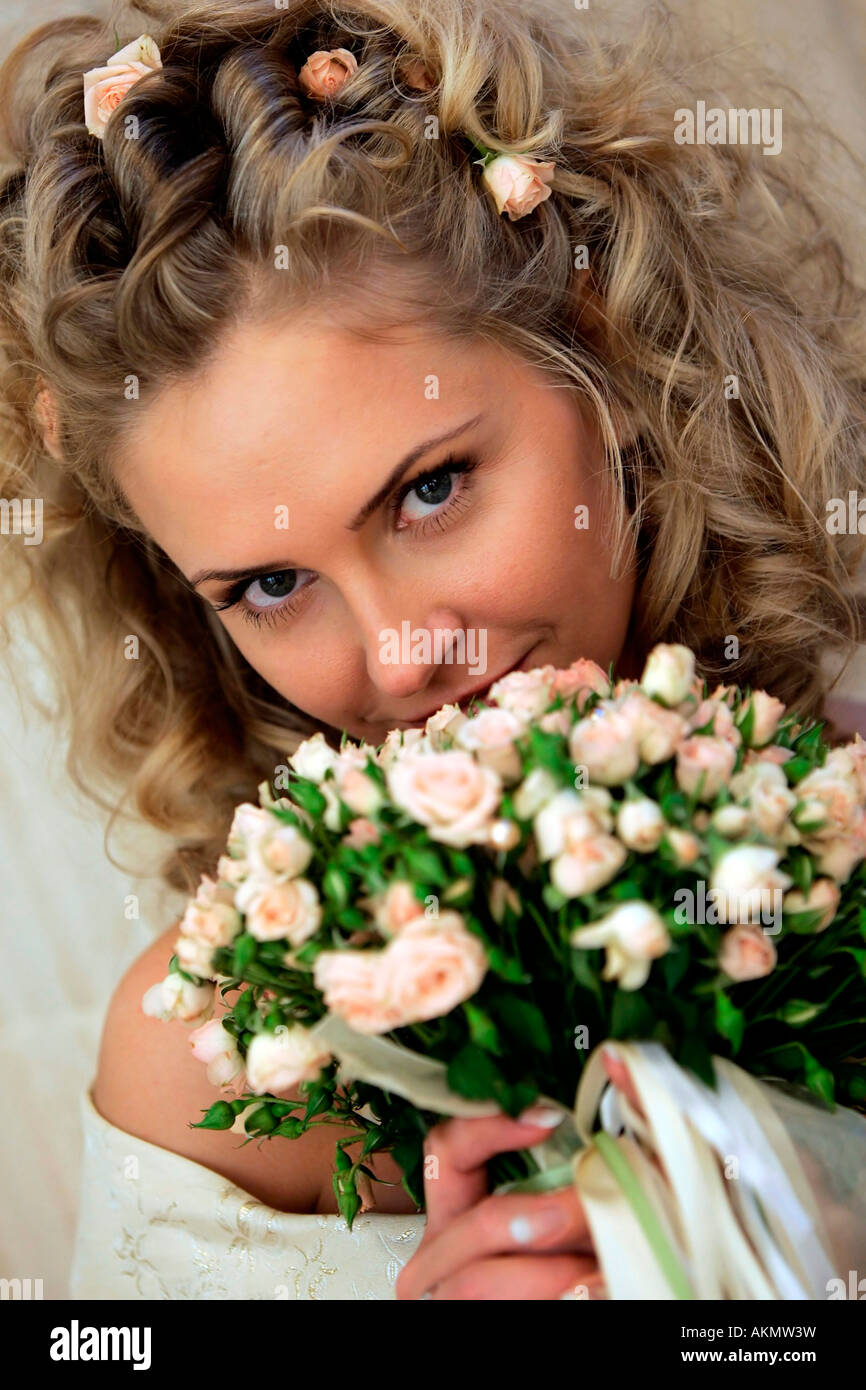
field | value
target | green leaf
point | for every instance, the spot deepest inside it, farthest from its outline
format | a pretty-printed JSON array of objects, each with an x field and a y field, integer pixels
[
  {"x": 746, "y": 725},
  {"x": 795, "y": 769},
  {"x": 336, "y": 885},
  {"x": 819, "y": 1079},
  {"x": 482, "y": 1029},
  {"x": 631, "y": 1015},
  {"x": 730, "y": 1021},
  {"x": 673, "y": 966},
  {"x": 308, "y": 797},
  {"x": 803, "y": 923},
  {"x": 796, "y": 1012},
  {"x": 244, "y": 951},
  {"x": 425, "y": 866},
  {"x": 506, "y": 967},
  {"x": 524, "y": 1019},
  {"x": 473, "y": 1073},
  {"x": 552, "y": 897}
]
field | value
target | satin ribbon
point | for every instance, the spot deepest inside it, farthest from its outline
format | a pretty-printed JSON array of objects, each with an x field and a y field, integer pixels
[{"x": 665, "y": 1223}]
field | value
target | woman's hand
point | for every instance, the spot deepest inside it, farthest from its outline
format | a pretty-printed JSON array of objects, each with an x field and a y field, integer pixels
[{"x": 478, "y": 1246}]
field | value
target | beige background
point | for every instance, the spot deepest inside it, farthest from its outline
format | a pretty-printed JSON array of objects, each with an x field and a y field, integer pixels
[{"x": 67, "y": 935}]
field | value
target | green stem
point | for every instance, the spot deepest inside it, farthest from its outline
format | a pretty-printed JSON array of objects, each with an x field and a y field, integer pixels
[{"x": 647, "y": 1220}]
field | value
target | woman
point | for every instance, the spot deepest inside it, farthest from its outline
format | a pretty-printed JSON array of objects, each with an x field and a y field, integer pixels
[{"x": 292, "y": 368}]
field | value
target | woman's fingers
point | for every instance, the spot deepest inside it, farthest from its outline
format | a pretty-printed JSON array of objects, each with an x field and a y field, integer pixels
[
  {"x": 549, "y": 1223},
  {"x": 523, "y": 1278},
  {"x": 618, "y": 1074},
  {"x": 455, "y": 1161}
]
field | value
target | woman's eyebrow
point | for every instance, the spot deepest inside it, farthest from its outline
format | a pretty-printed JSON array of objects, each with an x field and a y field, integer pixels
[
  {"x": 273, "y": 566},
  {"x": 404, "y": 465}
]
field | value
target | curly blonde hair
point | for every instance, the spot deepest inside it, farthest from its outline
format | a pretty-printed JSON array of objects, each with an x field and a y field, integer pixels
[{"x": 127, "y": 260}]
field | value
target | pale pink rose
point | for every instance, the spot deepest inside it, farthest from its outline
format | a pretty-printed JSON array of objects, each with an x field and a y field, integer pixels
[
  {"x": 767, "y": 711},
  {"x": 431, "y": 967},
  {"x": 352, "y": 983},
  {"x": 249, "y": 822},
  {"x": 838, "y": 857},
  {"x": 728, "y": 693},
  {"x": 537, "y": 788},
  {"x": 824, "y": 894},
  {"x": 604, "y": 743},
  {"x": 669, "y": 673},
  {"x": 856, "y": 751},
  {"x": 518, "y": 184},
  {"x": 772, "y": 753},
  {"x": 557, "y": 721},
  {"x": 214, "y": 1045},
  {"x": 640, "y": 824},
  {"x": 276, "y": 1062},
  {"x": 582, "y": 678},
  {"x": 525, "y": 693},
  {"x": 283, "y": 909},
  {"x": 232, "y": 871},
  {"x": 570, "y": 817},
  {"x": 448, "y": 792},
  {"x": 326, "y": 71},
  {"x": 746, "y": 953},
  {"x": 360, "y": 833},
  {"x": 634, "y": 935},
  {"x": 313, "y": 758},
  {"x": 686, "y": 846},
  {"x": 835, "y": 787},
  {"x": 442, "y": 726},
  {"x": 359, "y": 792},
  {"x": 703, "y": 756},
  {"x": 746, "y": 881},
  {"x": 588, "y": 865},
  {"x": 491, "y": 736},
  {"x": 657, "y": 731},
  {"x": 731, "y": 821},
  {"x": 398, "y": 742},
  {"x": 175, "y": 997},
  {"x": 280, "y": 849},
  {"x": 211, "y": 920},
  {"x": 396, "y": 907},
  {"x": 105, "y": 87},
  {"x": 722, "y": 725},
  {"x": 770, "y": 807}
]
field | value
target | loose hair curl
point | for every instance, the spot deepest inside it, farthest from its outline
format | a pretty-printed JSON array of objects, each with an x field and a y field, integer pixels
[{"x": 126, "y": 260}]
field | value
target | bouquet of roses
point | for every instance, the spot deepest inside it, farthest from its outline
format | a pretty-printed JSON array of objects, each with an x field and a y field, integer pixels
[{"x": 458, "y": 921}]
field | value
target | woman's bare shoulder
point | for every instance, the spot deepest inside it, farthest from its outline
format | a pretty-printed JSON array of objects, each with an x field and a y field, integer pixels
[{"x": 149, "y": 1084}]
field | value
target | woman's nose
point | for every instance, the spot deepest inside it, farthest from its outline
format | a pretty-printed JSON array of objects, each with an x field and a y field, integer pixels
[{"x": 402, "y": 659}]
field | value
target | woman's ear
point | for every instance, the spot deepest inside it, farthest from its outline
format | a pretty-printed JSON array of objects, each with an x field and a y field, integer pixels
[{"x": 45, "y": 410}]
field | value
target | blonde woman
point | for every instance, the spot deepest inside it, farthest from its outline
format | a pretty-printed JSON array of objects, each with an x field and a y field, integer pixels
[{"x": 319, "y": 324}]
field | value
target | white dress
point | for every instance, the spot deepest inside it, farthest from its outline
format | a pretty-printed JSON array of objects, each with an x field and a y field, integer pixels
[{"x": 155, "y": 1225}]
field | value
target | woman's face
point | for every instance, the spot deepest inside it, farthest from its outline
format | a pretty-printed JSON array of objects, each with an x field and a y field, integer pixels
[{"x": 384, "y": 528}]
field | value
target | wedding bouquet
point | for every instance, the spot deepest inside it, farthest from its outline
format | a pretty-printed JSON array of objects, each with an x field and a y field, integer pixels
[{"x": 459, "y": 921}]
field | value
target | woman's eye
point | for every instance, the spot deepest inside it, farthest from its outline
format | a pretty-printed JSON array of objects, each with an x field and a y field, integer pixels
[
  {"x": 270, "y": 590},
  {"x": 426, "y": 494}
]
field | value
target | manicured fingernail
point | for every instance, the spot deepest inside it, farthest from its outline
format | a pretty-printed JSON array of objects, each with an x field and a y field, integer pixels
[
  {"x": 542, "y": 1115},
  {"x": 525, "y": 1229}
]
